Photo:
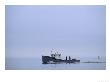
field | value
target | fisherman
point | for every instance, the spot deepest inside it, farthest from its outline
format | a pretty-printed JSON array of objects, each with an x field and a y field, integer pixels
[
  {"x": 66, "y": 60},
  {"x": 69, "y": 59},
  {"x": 66, "y": 57}
]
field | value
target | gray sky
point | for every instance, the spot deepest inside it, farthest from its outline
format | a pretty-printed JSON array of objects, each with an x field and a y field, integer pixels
[{"x": 78, "y": 31}]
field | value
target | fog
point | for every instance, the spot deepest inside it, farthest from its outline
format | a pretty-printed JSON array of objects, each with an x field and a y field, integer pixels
[{"x": 77, "y": 31}]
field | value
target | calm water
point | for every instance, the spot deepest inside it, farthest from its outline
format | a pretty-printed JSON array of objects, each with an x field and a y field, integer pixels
[{"x": 33, "y": 64}]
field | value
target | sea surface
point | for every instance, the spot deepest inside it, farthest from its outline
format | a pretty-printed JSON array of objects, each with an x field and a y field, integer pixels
[{"x": 36, "y": 64}]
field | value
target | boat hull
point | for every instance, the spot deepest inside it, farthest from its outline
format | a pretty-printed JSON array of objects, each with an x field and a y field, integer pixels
[{"x": 53, "y": 60}]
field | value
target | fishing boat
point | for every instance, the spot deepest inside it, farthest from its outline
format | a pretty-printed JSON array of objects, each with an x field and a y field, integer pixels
[{"x": 55, "y": 58}]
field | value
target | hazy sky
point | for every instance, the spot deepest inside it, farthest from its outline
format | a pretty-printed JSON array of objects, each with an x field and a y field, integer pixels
[{"x": 78, "y": 31}]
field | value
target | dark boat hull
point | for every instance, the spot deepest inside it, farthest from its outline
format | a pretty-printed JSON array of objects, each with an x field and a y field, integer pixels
[{"x": 53, "y": 60}]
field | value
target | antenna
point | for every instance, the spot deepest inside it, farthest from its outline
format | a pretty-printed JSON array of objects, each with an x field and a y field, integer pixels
[
  {"x": 51, "y": 51},
  {"x": 57, "y": 52}
]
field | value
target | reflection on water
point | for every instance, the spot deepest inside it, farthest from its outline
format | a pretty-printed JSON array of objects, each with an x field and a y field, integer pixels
[{"x": 36, "y": 64}]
